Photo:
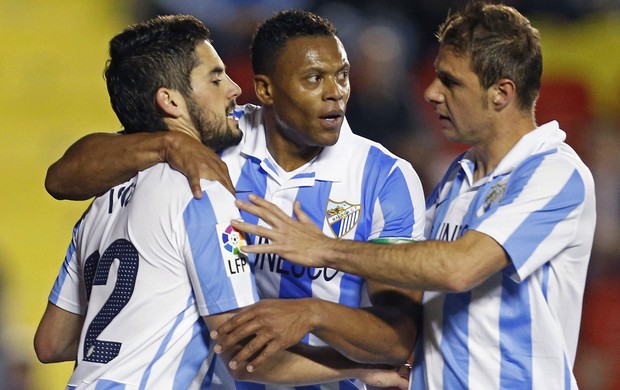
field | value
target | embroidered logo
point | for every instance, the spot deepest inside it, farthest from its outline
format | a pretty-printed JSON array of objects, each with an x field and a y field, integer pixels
[
  {"x": 342, "y": 216},
  {"x": 495, "y": 195}
]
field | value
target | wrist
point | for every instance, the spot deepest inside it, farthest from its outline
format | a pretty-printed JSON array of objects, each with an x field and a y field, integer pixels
[
  {"x": 313, "y": 313},
  {"x": 168, "y": 144},
  {"x": 330, "y": 252}
]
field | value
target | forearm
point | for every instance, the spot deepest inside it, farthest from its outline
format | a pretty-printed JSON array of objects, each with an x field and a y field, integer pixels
[
  {"x": 382, "y": 334},
  {"x": 453, "y": 266},
  {"x": 97, "y": 162},
  {"x": 57, "y": 336},
  {"x": 302, "y": 365}
]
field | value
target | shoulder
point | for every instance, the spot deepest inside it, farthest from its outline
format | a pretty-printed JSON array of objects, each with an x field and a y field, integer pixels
[{"x": 161, "y": 188}]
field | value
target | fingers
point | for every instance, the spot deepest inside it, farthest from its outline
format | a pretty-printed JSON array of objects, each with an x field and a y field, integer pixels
[
  {"x": 251, "y": 228},
  {"x": 194, "y": 184},
  {"x": 266, "y": 210},
  {"x": 234, "y": 335},
  {"x": 260, "y": 346},
  {"x": 227, "y": 183},
  {"x": 265, "y": 354},
  {"x": 300, "y": 214}
]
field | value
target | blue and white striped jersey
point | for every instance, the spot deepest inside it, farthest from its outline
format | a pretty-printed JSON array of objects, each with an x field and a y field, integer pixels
[
  {"x": 355, "y": 189},
  {"x": 147, "y": 260},
  {"x": 519, "y": 328}
]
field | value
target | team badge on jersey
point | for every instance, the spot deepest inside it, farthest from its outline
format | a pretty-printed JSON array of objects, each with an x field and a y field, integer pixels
[
  {"x": 231, "y": 241},
  {"x": 342, "y": 216},
  {"x": 495, "y": 195}
]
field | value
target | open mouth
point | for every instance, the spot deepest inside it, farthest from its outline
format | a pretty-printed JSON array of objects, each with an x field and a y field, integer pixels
[
  {"x": 235, "y": 113},
  {"x": 333, "y": 118}
]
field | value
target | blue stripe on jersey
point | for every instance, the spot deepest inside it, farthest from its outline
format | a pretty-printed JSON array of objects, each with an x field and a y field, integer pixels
[
  {"x": 538, "y": 225},
  {"x": 105, "y": 384},
  {"x": 396, "y": 207},
  {"x": 200, "y": 221},
  {"x": 249, "y": 386},
  {"x": 442, "y": 208},
  {"x": 164, "y": 345},
  {"x": 433, "y": 197},
  {"x": 194, "y": 356},
  {"x": 62, "y": 274},
  {"x": 314, "y": 199},
  {"x": 545, "y": 281},
  {"x": 455, "y": 332},
  {"x": 515, "y": 335},
  {"x": 251, "y": 180},
  {"x": 376, "y": 170},
  {"x": 567, "y": 374},
  {"x": 417, "y": 379}
]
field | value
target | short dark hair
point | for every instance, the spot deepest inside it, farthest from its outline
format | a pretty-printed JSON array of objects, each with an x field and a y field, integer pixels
[
  {"x": 272, "y": 36},
  {"x": 501, "y": 43},
  {"x": 145, "y": 57}
]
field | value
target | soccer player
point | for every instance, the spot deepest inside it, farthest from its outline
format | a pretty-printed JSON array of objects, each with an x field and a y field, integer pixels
[
  {"x": 148, "y": 262},
  {"x": 510, "y": 225},
  {"x": 296, "y": 146}
]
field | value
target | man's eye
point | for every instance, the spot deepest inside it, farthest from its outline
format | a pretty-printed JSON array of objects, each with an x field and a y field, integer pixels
[{"x": 447, "y": 81}]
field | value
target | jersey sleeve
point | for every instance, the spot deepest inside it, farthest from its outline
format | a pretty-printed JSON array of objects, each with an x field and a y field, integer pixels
[
  {"x": 538, "y": 215},
  {"x": 400, "y": 206},
  {"x": 67, "y": 292},
  {"x": 220, "y": 273}
]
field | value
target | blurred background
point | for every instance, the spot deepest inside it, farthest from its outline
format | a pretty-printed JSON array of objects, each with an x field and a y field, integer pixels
[{"x": 53, "y": 53}]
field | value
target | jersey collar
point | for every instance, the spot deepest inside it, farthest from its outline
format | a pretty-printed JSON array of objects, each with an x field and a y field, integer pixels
[
  {"x": 541, "y": 139},
  {"x": 328, "y": 165}
]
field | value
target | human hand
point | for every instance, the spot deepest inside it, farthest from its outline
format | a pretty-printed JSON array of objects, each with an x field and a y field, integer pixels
[
  {"x": 195, "y": 160},
  {"x": 299, "y": 241},
  {"x": 276, "y": 324},
  {"x": 393, "y": 379}
]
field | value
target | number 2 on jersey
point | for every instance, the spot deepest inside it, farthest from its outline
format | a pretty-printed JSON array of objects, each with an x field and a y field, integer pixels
[{"x": 96, "y": 271}]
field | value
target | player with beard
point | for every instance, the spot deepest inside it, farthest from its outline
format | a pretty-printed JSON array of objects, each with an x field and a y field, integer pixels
[
  {"x": 150, "y": 268},
  {"x": 296, "y": 146}
]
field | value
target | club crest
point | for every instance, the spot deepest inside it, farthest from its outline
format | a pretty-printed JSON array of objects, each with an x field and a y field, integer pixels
[
  {"x": 495, "y": 195},
  {"x": 342, "y": 216}
]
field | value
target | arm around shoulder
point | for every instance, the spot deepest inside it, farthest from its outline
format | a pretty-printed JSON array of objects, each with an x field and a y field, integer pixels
[{"x": 99, "y": 161}]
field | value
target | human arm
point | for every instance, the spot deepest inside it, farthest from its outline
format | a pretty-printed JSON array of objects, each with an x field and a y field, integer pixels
[
  {"x": 58, "y": 335},
  {"x": 428, "y": 265},
  {"x": 99, "y": 161},
  {"x": 384, "y": 333},
  {"x": 306, "y": 365}
]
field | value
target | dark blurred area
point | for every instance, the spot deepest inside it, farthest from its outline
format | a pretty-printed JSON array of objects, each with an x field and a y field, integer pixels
[{"x": 391, "y": 47}]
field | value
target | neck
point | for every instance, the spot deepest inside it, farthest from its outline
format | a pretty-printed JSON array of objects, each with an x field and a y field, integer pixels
[
  {"x": 288, "y": 153},
  {"x": 492, "y": 150}
]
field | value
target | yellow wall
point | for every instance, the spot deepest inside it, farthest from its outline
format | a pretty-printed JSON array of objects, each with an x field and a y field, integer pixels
[{"x": 52, "y": 54}]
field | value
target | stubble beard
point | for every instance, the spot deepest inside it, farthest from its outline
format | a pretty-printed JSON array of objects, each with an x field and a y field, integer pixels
[{"x": 215, "y": 134}]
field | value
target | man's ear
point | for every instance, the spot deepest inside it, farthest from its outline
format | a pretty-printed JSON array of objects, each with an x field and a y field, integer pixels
[
  {"x": 169, "y": 102},
  {"x": 262, "y": 87},
  {"x": 503, "y": 92}
]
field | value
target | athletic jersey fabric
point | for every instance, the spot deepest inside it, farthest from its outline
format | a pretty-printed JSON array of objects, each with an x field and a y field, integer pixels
[
  {"x": 147, "y": 260},
  {"x": 518, "y": 329},
  {"x": 354, "y": 189}
]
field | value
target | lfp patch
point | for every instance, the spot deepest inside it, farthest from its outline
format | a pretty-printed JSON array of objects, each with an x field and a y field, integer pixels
[
  {"x": 342, "y": 216},
  {"x": 231, "y": 241}
]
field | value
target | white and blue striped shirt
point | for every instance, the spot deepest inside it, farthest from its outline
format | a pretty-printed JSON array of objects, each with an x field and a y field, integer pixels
[
  {"x": 518, "y": 329},
  {"x": 147, "y": 260},
  {"x": 355, "y": 189}
]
